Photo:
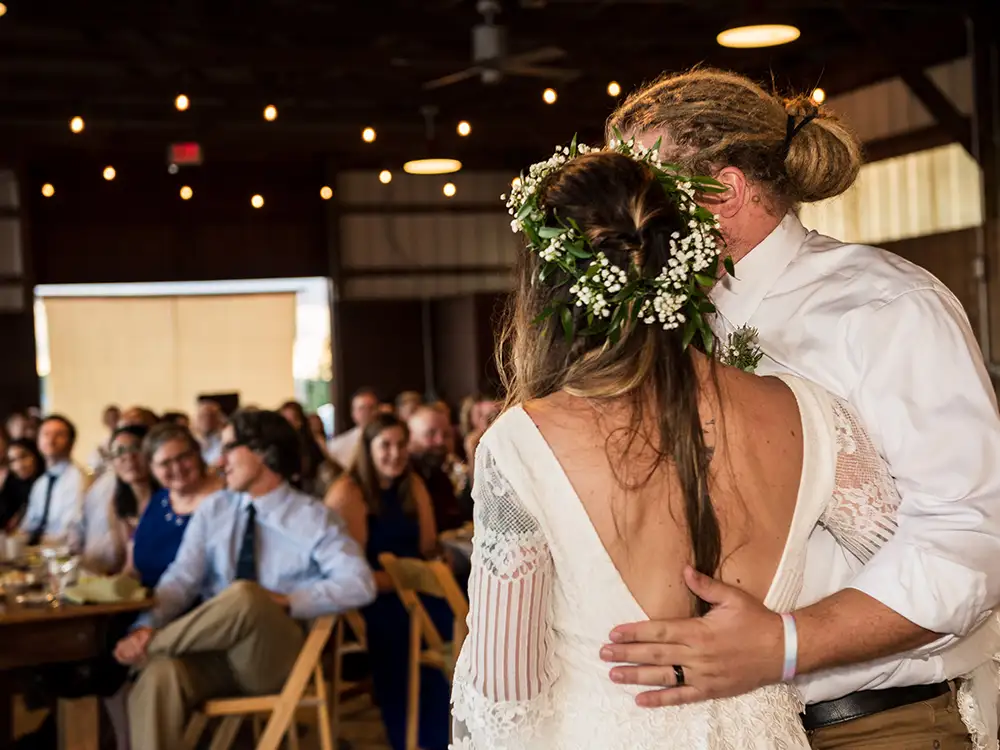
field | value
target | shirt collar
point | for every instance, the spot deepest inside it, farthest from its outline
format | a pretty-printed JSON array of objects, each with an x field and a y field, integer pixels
[
  {"x": 57, "y": 469},
  {"x": 738, "y": 297},
  {"x": 265, "y": 502}
]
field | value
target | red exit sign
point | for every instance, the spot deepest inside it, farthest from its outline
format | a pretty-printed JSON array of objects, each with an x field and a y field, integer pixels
[{"x": 184, "y": 154}]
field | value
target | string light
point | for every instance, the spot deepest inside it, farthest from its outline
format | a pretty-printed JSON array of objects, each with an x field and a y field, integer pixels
[
  {"x": 186, "y": 193},
  {"x": 550, "y": 96},
  {"x": 109, "y": 173},
  {"x": 326, "y": 192},
  {"x": 449, "y": 189},
  {"x": 182, "y": 103},
  {"x": 47, "y": 190},
  {"x": 3, "y": 9},
  {"x": 76, "y": 124},
  {"x": 464, "y": 128},
  {"x": 516, "y": 182},
  {"x": 385, "y": 176},
  {"x": 257, "y": 201},
  {"x": 819, "y": 96},
  {"x": 270, "y": 113},
  {"x": 368, "y": 135},
  {"x": 614, "y": 89}
]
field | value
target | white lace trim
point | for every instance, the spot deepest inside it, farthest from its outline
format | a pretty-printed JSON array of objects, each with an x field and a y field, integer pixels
[{"x": 488, "y": 724}]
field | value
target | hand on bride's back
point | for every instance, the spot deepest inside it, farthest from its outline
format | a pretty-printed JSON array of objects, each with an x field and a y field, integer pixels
[{"x": 737, "y": 647}]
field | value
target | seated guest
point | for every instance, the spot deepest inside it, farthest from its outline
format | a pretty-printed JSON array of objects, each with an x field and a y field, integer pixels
[
  {"x": 364, "y": 407},
  {"x": 21, "y": 427},
  {"x": 139, "y": 415},
  {"x": 130, "y": 495},
  {"x": 22, "y": 465},
  {"x": 318, "y": 470},
  {"x": 430, "y": 429},
  {"x": 55, "y": 506},
  {"x": 174, "y": 456},
  {"x": 483, "y": 411},
  {"x": 209, "y": 421},
  {"x": 387, "y": 509},
  {"x": 178, "y": 418},
  {"x": 408, "y": 402},
  {"x": 261, "y": 557},
  {"x": 98, "y": 461}
]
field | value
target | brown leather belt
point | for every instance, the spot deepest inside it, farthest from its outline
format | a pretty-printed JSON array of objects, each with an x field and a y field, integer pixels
[{"x": 868, "y": 702}]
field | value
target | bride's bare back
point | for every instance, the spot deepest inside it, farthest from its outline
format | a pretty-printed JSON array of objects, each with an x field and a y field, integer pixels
[{"x": 755, "y": 429}]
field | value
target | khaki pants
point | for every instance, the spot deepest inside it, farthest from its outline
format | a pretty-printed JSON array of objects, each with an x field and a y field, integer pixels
[
  {"x": 928, "y": 725},
  {"x": 239, "y": 643}
]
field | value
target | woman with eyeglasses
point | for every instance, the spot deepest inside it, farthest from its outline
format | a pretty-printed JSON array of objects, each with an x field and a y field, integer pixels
[{"x": 175, "y": 459}]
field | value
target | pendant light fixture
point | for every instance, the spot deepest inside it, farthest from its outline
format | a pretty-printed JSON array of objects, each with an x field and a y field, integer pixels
[{"x": 432, "y": 162}]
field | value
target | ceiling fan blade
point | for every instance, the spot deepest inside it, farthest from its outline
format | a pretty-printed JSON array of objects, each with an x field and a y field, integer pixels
[
  {"x": 448, "y": 80},
  {"x": 543, "y": 54},
  {"x": 536, "y": 71}
]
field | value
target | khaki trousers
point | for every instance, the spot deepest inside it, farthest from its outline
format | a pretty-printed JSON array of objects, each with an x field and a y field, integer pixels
[
  {"x": 928, "y": 725},
  {"x": 239, "y": 643}
]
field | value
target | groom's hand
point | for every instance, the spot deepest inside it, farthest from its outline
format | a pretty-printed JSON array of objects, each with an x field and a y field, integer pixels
[{"x": 735, "y": 648}]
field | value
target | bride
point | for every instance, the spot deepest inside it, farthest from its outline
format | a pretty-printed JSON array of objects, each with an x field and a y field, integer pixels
[{"x": 625, "y": 455}]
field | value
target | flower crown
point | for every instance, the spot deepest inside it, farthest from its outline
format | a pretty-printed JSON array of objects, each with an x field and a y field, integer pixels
[{"x": 614, "y": 297}]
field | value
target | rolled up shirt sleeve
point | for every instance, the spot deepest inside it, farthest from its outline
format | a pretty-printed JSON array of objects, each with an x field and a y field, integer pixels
[
  {"x": 924, "y": 394},
  {"x": 346, "y": 580}
]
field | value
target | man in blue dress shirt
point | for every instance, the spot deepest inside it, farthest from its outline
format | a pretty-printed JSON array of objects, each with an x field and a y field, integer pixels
[{"x": 260, "y": 557}]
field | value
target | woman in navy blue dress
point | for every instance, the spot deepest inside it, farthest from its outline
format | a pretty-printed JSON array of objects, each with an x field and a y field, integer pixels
[
  {"x": 175, "y": 458},
  {"x": 387, "y": 508}
]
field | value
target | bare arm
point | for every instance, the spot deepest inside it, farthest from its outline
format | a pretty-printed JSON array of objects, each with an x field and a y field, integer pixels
[{"x": 346, "y": 500}]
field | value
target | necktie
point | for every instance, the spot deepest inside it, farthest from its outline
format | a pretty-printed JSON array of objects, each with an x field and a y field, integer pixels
[
  {"x": 39, "y": 532},
  {"x": 246, "y": 563}
]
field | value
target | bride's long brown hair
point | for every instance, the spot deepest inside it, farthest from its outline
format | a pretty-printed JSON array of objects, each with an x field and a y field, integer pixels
[{"x": 625, "y": 213}]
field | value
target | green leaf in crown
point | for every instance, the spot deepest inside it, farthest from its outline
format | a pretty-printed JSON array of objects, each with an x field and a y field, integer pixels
[{"x": 612, "y": 297}]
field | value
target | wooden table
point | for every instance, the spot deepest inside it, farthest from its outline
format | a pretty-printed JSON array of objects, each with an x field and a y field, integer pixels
[{"x": 35, "y": 636}]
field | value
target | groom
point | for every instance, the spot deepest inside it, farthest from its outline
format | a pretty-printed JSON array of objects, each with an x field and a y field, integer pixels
[{"x": 894, "y": 342}]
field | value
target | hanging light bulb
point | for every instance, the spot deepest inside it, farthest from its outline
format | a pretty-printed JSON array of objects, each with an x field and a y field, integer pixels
[
  {"x": 549, "y": 96},
  {"x": 186, "y": 193},
  {"x": 385, "y": 176},
  {"x": 819, "y": 96},
  {"x": 614, "y": 89},
  {"x": 368, "y": 135},
  {"x": 182, "y": 103},
  {"x": 449, "y": 189},
  {"x": 109, "y": 173},
  {"x": 76, "y": 124},
  {"x": 3, "y": 9},
  {"x": 47, "y": 190},
  {"x": 326, "y": 192},
  {"x": 464, "y": 128},
  {"x": 257, "y": 201},
  {"x": 270, "y": 113}
]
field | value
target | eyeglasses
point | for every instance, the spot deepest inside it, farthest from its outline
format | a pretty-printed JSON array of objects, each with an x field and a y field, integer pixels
[
  {"x": 176, "y": 460},
  {"x": 125, "y": 450}
]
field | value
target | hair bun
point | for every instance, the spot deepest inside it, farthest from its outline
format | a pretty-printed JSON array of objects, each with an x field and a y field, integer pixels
[{"x": 802, "y": 106}]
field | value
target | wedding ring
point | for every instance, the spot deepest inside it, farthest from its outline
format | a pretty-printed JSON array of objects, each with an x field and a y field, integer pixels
[{"x": 679, "y": 675}]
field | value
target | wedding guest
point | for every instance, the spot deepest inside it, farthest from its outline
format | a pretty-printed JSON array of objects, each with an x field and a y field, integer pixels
[
  {"x": 178, "y": 418},
  {"x": 407, "y": 402},
  {"x": 139, "y": 415},
  {"x": 429, "y": 431},
  {"x": 387, "y": 509},
  {"x": 364, "y": 406},
  {"x": 483, "y": 411},
  {"x": 209, "y": 421},
  {"x": 21, "y": 427},
  {"x": 185, "y": 481},
  {"x": 20, "y": 466},
  {"x": 261, "y": 556},
  {"x": 55, "y": 506},
  {"x": 99, "y": 458},
  {"x": 318, "y": 471}
]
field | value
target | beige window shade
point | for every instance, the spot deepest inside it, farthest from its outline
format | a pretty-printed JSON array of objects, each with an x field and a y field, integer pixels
[{"x": 162, "y": 352}]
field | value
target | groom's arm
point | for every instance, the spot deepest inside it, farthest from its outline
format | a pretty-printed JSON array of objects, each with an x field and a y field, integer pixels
[{"x": 927, "y": 401}]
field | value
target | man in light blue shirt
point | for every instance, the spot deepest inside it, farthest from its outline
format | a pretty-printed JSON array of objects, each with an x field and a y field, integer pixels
[{"x": 260, "y": 557}]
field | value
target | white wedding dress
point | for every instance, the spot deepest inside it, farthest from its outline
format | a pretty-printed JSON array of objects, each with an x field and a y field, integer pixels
[{"x": 544, "y": 595}]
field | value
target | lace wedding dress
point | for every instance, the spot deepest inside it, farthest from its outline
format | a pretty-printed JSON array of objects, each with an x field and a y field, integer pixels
[{"x": 544, "y": 594}]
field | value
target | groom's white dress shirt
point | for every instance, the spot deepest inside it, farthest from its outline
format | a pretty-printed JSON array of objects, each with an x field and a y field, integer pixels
[{"x": 889, "y": 338}]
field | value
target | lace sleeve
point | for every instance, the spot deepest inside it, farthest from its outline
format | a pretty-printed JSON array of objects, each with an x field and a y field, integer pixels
[
  {"x": 503, "y": 676},
  {"x": 862, "y": 512}
]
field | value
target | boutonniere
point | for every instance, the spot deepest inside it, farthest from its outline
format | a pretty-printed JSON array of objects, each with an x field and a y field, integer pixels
[{"x": 741, "y": 350}]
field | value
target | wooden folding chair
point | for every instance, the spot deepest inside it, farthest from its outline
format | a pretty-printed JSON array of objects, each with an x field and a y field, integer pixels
[
  {"x": 304, "y": 688},
  {"x": 413, "y": 577},
  {"x": 354, "y": 622}
]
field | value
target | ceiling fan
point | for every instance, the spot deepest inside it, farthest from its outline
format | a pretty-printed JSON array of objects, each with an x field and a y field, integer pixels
[{"x": 491, "y": 61}]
